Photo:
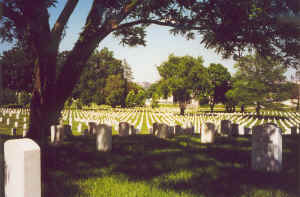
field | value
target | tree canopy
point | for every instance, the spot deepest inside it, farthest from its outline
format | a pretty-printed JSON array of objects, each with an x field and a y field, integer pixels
[
  {"x": 17, "y": 70},
  {"x": 259, "y": 80},
  {"x": 232, "y": 27},
  {"x": 219, "y": 78},
  {"x": 94, "y": 79},
  {"x": 183, "y": 77}
]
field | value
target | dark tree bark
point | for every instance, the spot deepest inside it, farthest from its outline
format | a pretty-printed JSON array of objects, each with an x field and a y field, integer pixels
[
  {"x": 258, "y": 109},
  {"x": 182, "y": 107},
  {"x": 242, "y": 108},
  {"x": 211, "y": 105}
]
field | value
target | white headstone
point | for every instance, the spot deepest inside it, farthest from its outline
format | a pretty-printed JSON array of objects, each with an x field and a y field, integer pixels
[
  {"x": 13, "y": 131},
  {"x": 208, "y": 133},
  {"x": 7, "y": 121},
  {"x": 92, "y": 128},
  {"x": 23, "y": 168},
  {"x": 25, "y": 131},
  {"x": 52, "y": 137},
  {"x": 103, "y": 138},
  {"x": 225, "y": 126},
  {"x": 79, "y": 128},
  {"x": 267, "y": 148},
  {"x": 57, "y": 134}
]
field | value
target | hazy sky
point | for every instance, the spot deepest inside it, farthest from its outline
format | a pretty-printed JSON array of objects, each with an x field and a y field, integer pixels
[{"x": 143, "y": 60}]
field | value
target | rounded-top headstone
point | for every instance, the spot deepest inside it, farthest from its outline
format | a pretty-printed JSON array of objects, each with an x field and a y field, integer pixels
[
  {"x": 103, "y": 138},
  {"x": 208, "y": 132},
  {"x": 123, "y": 129},
  {"x": 132, "y": 130},
  {"x": 155, "y": 128},
  {"x": 234, "y": 131},
  {"x": 68, "y": 131},
  {"x": 225, "y": 126},
  {"x": 178, "y": 130},
  {"x": 163, "y": 131},
  {"x": 92, "y": 128},
  {"x": 267, "y": 148}
]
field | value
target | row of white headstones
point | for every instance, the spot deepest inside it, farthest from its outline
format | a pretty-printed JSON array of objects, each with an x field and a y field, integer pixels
[
  {"x": 22, "y": 164},
  {"x": 144, "y": 120},
  {"x": 22, "y": 178}
]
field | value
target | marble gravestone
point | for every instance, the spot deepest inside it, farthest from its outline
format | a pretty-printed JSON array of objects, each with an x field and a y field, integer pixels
[
  {"x": 68, "y": 131},
  {"x": 123, "y": 129},
  {"x": 57, "y": 134},
  {"x": 178, "y": 130},
  {"x": 13, "y": 131},
  {"x": 235, "y": 130},
  {"x": 132, "y": 130},
  {"x": 225, "y": 127},
  {"x": 155, "y": 128},
  {"x": 188, "y": 128},
  {"x": 163, "y": 131},
  {"x": 294, "y": 131},
  {"x": 103, "y": 138},
  {"x": 92, "y": 128},
  {"x": 266, "y": 148},
  {"x": 208, "y": 133},
  {"x": 22, "y": 168}
]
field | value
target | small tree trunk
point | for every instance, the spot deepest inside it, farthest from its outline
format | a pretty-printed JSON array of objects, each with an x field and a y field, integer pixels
[
  {"x": 298, "y": 103},
  {"x": 243, "y": 108},
  {"x": 212, "y": 105},
  {"x": 258, "y": 109},
  {"x": 182, "y": 108}
]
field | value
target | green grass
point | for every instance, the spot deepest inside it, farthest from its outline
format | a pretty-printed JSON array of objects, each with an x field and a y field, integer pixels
[{"x": 144, "y": 165}]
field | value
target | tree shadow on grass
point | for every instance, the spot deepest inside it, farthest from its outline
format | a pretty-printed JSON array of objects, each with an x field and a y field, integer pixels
[{"x": 221, "y": 169}]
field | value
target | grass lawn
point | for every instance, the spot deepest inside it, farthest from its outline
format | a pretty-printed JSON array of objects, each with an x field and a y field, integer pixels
[{"x": 144, "y": 165}]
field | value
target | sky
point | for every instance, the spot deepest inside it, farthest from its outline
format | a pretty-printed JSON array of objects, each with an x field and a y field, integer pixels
[{"x": 142, "y": 60}]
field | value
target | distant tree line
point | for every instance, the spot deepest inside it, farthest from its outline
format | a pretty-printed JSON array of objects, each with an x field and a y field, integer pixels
[
  {"x": 105, "y": 80},
  {"x": 259, "y": 81}
]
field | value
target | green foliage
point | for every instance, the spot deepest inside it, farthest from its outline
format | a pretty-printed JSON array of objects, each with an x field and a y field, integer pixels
[
  {"x": 17, "y": 68},
  {"x": 130, "y": 99},
  {"x": 183, "y": 77},
  {"x": 96, "y": 79},
  {"x": 114, "y": 90},
  {"x": 259, "y": 81},
  {"x": 24, "y": 98},
  {"x": 9, "y": 97},
  {"x": 219, "y": 78},
  {"x": 141, "y": 98},
  {"x": 134, "y": 99},
  {"x": 154, "y": 101}
]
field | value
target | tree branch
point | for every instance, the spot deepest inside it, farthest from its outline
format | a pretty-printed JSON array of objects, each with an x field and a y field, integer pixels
[
  {"x": 62, "y": 20},
  {"x": 9, "y": 13},
  {"x": 156, "y": 22}
]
